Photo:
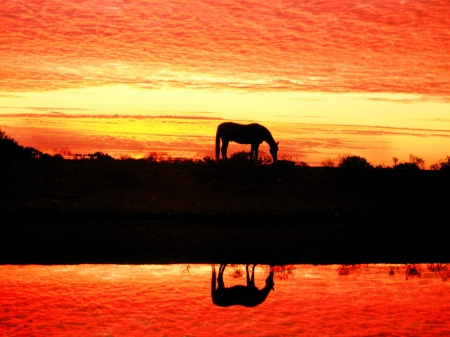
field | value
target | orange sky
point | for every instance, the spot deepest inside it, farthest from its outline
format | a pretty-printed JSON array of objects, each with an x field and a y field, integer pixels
[{"x": 282, "y": 63}]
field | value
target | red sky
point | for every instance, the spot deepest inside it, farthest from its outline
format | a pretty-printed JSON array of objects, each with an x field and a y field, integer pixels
[{"x": 365, "y": 63}]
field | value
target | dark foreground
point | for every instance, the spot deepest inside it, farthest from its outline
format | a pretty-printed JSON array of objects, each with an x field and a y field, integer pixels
[
  {"x": 211, "y": 239},
  {"x": 150, "y": 213}
]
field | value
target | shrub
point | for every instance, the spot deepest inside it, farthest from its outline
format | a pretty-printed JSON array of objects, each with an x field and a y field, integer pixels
[
  {"x": 407, "y": 166},
  {"x": 100, "y": 156},
  {"x": 329, "y": 162},
  {"x": 442, "y": 165},
  {"x": 208, "y": 160},
  {"x": 417, "y": 160},
  {"x": 415, "y": 163},
  {"x": 301, "y": 164},
  {"x": 10, "y": 149},
  {"x": 349, "y": 161},
  {"x": 241, "y": 157}
]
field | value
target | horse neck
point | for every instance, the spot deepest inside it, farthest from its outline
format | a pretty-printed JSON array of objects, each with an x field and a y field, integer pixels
[
  {"x": 269, "y": 140},
  {"x": 264, "y": 292}
]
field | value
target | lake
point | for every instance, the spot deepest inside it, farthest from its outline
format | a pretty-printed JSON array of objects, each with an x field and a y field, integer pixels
[{"x": 175, "y": 300}]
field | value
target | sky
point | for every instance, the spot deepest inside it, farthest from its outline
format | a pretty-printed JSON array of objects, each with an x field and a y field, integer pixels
[{"x": 369, "y": 78}]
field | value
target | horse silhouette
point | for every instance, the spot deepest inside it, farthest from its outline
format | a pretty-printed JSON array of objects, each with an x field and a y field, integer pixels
[
  {"x": 253, "y": 134},
  {"x": 247, "y": 296}
]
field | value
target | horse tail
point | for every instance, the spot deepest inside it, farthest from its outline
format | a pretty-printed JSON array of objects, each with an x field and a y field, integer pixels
[{"x": 218, "y": 143}]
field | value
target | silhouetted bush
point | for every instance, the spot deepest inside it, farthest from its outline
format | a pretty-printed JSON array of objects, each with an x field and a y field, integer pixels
[
  {"x": 417, "y": 160},
  {"x": 353, "y": 162},
  {"x": 156, "y": 156},
  {"x": 241, "y": 157},
  {"x": 49, "y": 157},
  {"x": 349, "y": 161},
  {"x": 442, "y": 165},
  {"x": 415, "y": 164},
  {"x": 100, "y": 156},
  {"x": 329, "y": 162},
  {"x": 301, "y": 164},
  {"x": 407, "y": 166},
  {"x": 208, "y": 160},
  {"x": 284, "y": 162},
  {"x": 10, "y": 149}
]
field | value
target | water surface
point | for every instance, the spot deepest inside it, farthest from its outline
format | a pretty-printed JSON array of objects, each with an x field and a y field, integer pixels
[{"x": 175, "y": 300}]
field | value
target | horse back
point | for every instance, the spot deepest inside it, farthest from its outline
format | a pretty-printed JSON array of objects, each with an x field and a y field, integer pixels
[{"x": 242, "y": 133}]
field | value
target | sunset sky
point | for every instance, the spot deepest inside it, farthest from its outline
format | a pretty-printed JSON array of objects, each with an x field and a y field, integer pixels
[{"x": 370, "y": 78}]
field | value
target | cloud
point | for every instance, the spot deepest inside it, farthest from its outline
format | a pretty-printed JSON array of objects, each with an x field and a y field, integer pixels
[
  {"x": 10, "y": 96},
  {"x": 57, "y": 114},
  {"x": 301, "y": 116}
]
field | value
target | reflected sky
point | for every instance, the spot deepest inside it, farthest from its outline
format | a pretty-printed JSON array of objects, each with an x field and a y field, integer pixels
[{"x": 175, "y": 300}]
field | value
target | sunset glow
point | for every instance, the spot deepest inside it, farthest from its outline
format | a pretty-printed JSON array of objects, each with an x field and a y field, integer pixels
[{"x": 327, "y": 65}]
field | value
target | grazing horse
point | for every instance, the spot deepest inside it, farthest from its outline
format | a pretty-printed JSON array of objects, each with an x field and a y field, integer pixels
[
  {"x": 248, "y": 296},
  {"x": 253, "y": 134}
]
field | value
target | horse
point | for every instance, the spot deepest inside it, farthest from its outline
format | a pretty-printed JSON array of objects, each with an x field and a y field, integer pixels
[
  {"x": 253, "y": 134},
  {"x": 247, "y": 296}
]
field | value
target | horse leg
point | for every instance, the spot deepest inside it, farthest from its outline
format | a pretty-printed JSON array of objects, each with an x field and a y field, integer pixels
[
  {"x": 224, "y": 149},
  {"x": 252, "y": 280},
  {"x": 221, "y": 284},
  {"x": 253, "y": 150},
  {"x": 256, "y": 152},
  {"x": 247, "y": 276}
]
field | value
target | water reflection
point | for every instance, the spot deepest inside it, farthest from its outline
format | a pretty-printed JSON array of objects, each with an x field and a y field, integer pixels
[
  {"x": 410, "y": 270},
  {"x": 175, "y": 300},
  {"x": 246, "y": 295}
]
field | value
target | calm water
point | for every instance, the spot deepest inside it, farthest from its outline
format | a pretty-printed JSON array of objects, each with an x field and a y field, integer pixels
[{"x": 175, "y": 300}]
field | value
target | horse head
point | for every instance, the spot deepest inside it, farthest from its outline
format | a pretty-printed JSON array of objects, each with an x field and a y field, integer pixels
[
  {"x": 269, "y": 281},
  {"x": 274, "y": 150}
]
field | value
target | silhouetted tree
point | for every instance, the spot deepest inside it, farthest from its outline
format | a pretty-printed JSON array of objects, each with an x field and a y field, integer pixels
[
  {"x": 329, "y": 162},
  {"x": 10, "y": 149},
  {"x": 418, "y": 161},
  {"x": 349, "y": 161},
  {"x": 442, "y": 165},
  {"x": 415, "y": 163},
  {"x": 407, "y": 166}
]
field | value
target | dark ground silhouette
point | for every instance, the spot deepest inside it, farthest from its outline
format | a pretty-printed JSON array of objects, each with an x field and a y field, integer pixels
[
  {"x": 101, "y": 210},
  {"x": 94, "y": 211}
]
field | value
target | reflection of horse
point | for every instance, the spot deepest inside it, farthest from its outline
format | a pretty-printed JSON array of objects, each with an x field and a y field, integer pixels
[
  {"x": 253, "y": 134},
  {"x": 248, "y": 296}
]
